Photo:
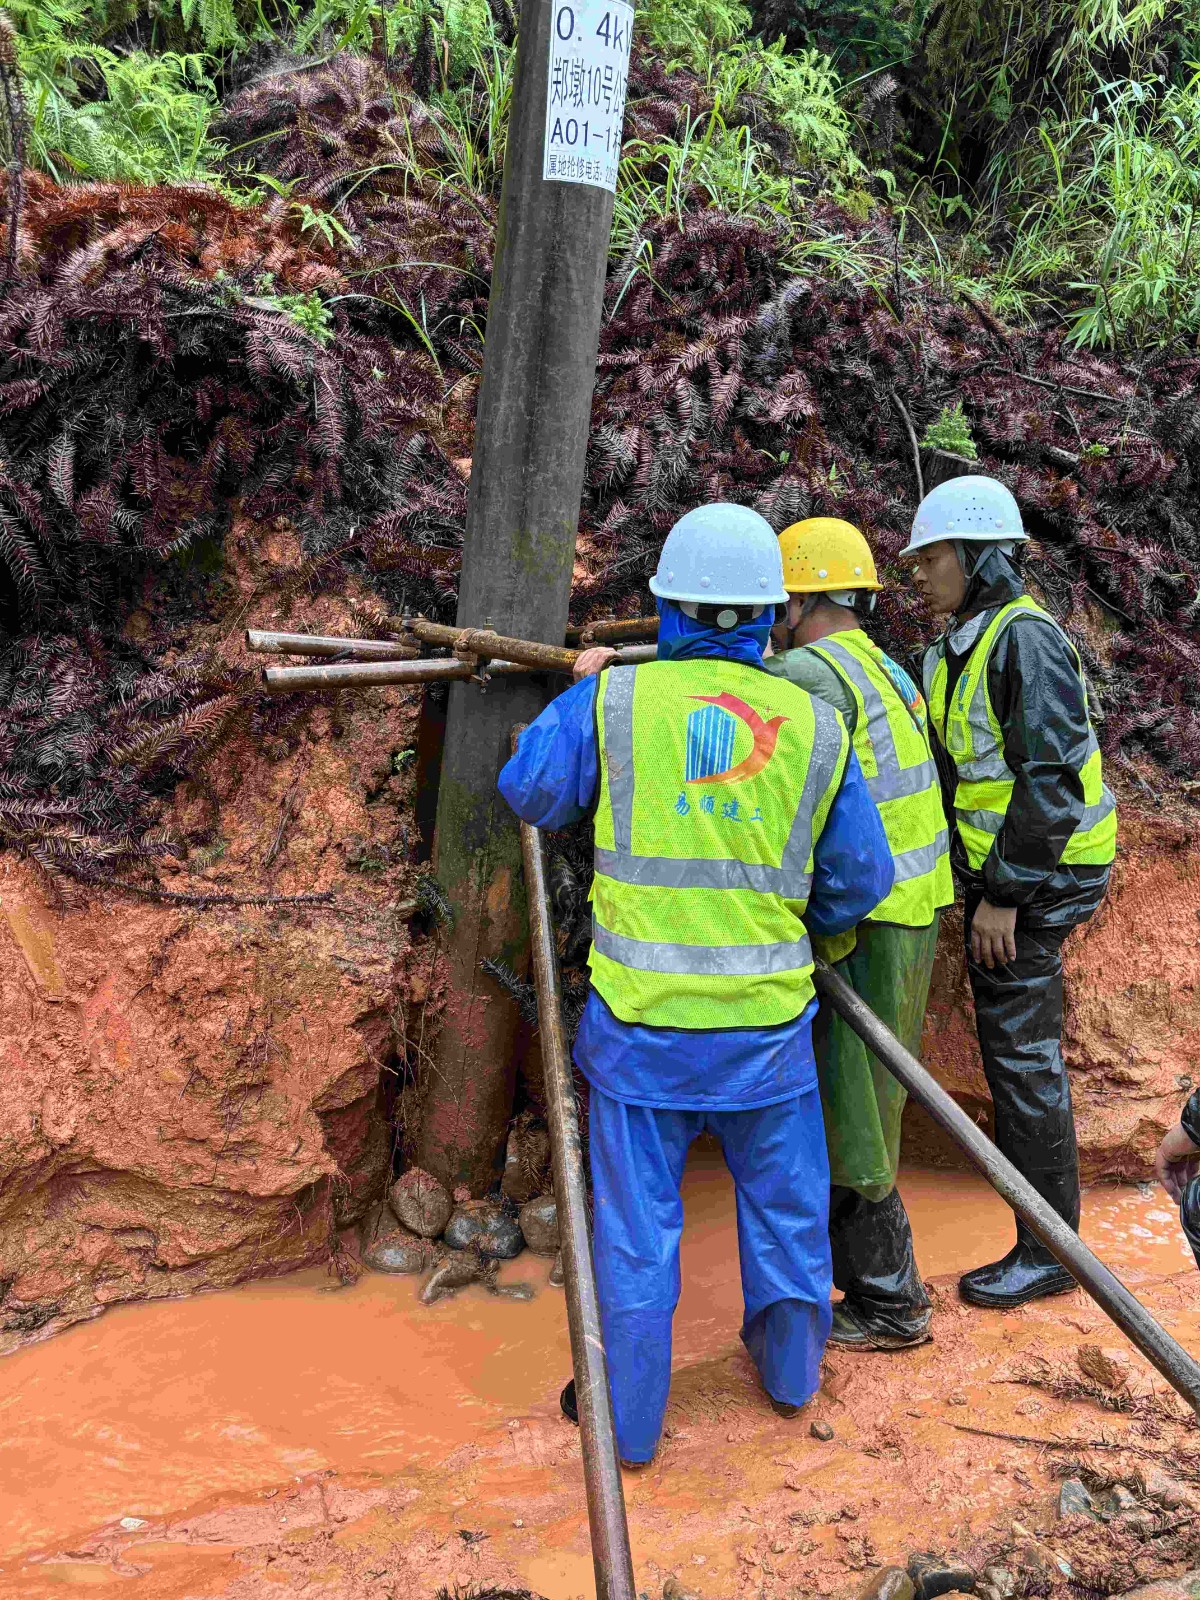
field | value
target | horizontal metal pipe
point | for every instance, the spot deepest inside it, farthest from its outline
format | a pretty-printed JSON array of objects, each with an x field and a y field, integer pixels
[
  {"x": 613, "y": 632},
  {"x": 371, "y": 674},
  {"x": 317, "y": 644},
  {"x": 1105, "y": 1288}
]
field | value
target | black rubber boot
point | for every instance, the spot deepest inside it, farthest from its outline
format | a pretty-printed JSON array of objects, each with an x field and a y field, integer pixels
[
  {"x": 568, "y": 1403},
  {"x": 1018, "y": 1011},
  {"x": 885, "y": 1305},
  {"x": 570, "y": 1409},
  {"x": 1027, "y": 1272}
]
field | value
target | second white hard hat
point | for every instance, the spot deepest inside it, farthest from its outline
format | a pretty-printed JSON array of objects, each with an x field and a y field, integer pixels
[
  {"x": 721, "y": 554},
  {"x": 975, "y": 508}
]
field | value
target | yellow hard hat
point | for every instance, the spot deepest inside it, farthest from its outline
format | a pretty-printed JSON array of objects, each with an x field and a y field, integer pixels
[{"x": 823, "y": 553}]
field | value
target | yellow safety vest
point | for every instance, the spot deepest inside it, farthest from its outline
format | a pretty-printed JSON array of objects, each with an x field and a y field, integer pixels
[
  {"x": 716, "y": 779},
  {"x": 891, "y": 741},
  {"x": 970, "y": 731}
]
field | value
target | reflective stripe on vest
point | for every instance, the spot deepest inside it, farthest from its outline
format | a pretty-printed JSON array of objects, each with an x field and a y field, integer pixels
[
  {"x": 970, "y": 731},
  {"x": 892, "y": 744},
  {"x": 692, "y": 935},
  {"x": 718, "y": 960}
]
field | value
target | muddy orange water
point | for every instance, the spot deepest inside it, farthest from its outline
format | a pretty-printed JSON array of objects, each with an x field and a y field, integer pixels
[{"x": 157, "y": 1438}]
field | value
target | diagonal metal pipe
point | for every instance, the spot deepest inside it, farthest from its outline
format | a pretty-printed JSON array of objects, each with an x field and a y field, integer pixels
[
  {"x": 1105, "y": 1288},
  {"x": 601, "y": 1467}
]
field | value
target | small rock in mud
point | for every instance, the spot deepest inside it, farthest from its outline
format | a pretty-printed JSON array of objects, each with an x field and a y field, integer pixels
[
  {"x": 1168, "y": 1491},
  {"x": 674, "y": 1590},
  {"x": 511, "y": 1291},
  {"x": 1074, "y": 1500},
  {"x": 890, "y": 1583},
  {"x": 526, "y": 1161},
  {"x": 488, "y": 1228},
  {"x": 1104, "y": 1369},
  {"x": 388, "y": 1246},
  {"x": 460, "y": 1268},
  {"x": 421, "y": 1203},
  {"x": 539, "y": 1224},
  {"x": 822, "y": 1431},
  {"x": 557, "y": 1276},
  {"x": 934, "y": 1575},
  {"x": 1119, "y": 1502},
  {"x": 1001, "y": 1580}
]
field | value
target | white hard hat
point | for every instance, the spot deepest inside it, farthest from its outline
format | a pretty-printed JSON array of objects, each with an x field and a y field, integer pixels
[
  {"x": 721, "y": 555},
  {"x": 977, "y": 509}
]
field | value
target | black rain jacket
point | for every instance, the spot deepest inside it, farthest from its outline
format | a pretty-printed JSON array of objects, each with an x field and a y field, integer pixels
[{"x": 1041, "y": 705}]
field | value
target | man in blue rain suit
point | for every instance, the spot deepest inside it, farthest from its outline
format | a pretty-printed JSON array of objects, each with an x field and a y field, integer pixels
[{"x": 730, "y": 812}]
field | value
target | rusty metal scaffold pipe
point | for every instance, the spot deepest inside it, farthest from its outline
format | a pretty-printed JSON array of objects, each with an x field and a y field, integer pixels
[
  {"x": 601, "y": 1467},
  {"x": 613, "y": 632},
  {"x": 1105, "y": 1288},
  {"x": 483, "y": 642},
  {"x": 261, "y": 642},
  {"x": 370, "y": 674}
]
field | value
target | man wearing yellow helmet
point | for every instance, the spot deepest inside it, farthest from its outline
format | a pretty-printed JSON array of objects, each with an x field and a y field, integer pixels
[{"x": 830, "y": 577}]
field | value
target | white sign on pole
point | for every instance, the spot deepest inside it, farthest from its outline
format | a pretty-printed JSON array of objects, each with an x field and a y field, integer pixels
[{"x": 585, "y": 106}]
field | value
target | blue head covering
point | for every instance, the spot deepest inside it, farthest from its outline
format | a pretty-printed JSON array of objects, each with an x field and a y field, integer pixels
[{"x": 682, "y": 638}]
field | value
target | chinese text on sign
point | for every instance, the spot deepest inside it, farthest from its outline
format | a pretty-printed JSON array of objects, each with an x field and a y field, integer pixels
[{"x": 585, "y": 106}]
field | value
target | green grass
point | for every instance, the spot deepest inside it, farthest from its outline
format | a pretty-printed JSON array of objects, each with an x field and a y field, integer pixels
[{"x": 1085, "y": 210}]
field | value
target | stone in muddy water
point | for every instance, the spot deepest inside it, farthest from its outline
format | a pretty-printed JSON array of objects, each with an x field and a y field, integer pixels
[
  {"x": 539, "y": 1224},
  {"x": 511, "y": 1291},
  {"x": 421, "y": 1203},
  {"x": 486, "y": 1227},
  {"x": 1074, "y": 1500},
  {"x": 557, "y": 1275},
  {"x": 933, "y": 1575},
  {"x": 388, "y": 1246},
  {"x": 526, "y": 1161},
  {"x": 822, "y": 1431},
  {"x": 890, "y": 1583},
  {"x": 460, "y": 1268}
]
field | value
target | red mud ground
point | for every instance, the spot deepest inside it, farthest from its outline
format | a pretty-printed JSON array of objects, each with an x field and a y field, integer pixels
[{"x": 291, "y": 1438}]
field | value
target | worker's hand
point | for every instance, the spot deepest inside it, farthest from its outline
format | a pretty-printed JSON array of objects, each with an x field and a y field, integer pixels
[
  {"x": 993, "y": 934},
  {"x": 589, "y": 663},
  {"x": 1175, "y": 1161}
]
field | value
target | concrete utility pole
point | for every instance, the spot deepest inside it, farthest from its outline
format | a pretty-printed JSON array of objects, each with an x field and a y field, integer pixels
[{"x": 522, "y": 514}]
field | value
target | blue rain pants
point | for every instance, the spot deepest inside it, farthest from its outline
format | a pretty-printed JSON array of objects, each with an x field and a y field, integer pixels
[{"x": 780, "y": 1168}]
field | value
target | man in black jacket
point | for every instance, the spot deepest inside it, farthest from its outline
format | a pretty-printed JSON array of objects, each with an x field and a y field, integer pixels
[{"x": 1035, "y": 837}]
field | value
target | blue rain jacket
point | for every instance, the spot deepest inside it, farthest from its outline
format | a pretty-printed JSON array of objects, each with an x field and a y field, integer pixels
[{"x": 553, "y": 780}]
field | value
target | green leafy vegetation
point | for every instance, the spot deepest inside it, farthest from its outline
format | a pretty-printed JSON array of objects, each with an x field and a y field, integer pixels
[
  {"x": 951, "y": 431},
  {"x": 1043, "y": 159}
]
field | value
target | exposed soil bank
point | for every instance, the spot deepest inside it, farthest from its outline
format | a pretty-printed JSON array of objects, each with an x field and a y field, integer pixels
[
  {"x": 193, "y": 1095},
  {"x": 293, "y": 1438},
  {"x": 1132, "y": 1026}
]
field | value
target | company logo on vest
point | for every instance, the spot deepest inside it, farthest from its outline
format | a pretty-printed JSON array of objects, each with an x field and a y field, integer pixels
[{"x": 710, "y": 736}]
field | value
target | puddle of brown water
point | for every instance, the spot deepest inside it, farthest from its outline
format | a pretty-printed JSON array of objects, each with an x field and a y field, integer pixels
[{"x": 153, "y": 1409}]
